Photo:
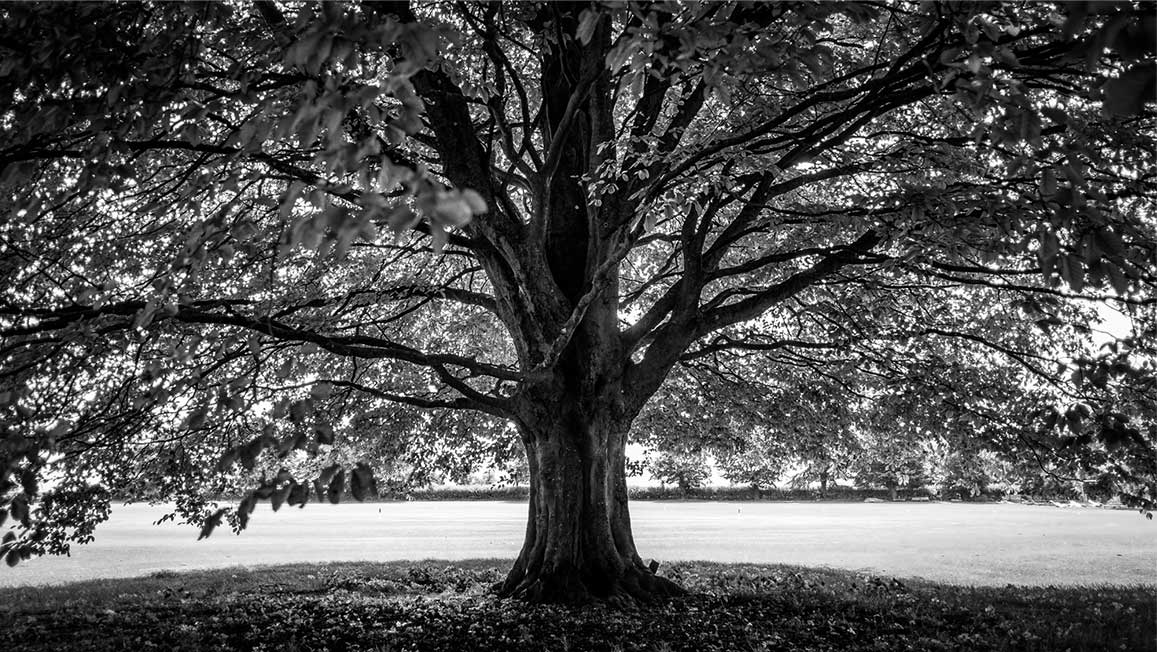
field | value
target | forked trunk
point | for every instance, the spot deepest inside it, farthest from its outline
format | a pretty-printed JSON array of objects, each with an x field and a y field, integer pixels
[{"x": 578, "y": 544}]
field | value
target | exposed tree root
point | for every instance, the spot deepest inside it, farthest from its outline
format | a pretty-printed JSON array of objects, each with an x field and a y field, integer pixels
[{"x": 636, "y": 585}]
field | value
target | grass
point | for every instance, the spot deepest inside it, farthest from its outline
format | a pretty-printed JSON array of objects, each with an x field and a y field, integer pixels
[{"x": 437, "y": 606}]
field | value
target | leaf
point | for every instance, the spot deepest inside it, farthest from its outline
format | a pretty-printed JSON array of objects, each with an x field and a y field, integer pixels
[
  {"x": 12, "y": 558},
  {"x": 621, "y": 53},
  {"x": 1051, "y": 419},
  {"x": 402, "y": 218},
  {"x": 1109, "y": 242},
  {"x": 29, "y": 483},
  {"x": 588, "y": 21},
  {"x": 299, "y": 410},
  {"x": 211, "y": 523},
  {"x": 1117, "y": 279},
  {"x": 196, "y": 419},
  {"x": 323, "y": 432},
  {"x": 18, "y": 508},
  {"x": 245, "y": 509},
  {"x": 299, "y": 495},
  {"x": 362, "y": 483},
  {"x": 321, "y": 390},
  {"x": 474, "y": 201},
  {"x": 145, "y": 315},
  {"x": 1047, "y": 253},
  {"x": 1073, "y": 271},
  {"x": 439, "y": 237},
  {"x": 451, "y": 210},
  {"x": 286, "y": 369},
  {"x": 1048, "y": 184},
  {"x": 328, "y": 472},
  {"x": 1128, "y": 94},
  {"x": 1058, "y": 116},
  {"x": 336, "y": 485},
  {"x": 279, "y": 497}
]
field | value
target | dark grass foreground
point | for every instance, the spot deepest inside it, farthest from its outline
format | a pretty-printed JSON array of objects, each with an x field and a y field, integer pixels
[{"x": 436, "y": 606}]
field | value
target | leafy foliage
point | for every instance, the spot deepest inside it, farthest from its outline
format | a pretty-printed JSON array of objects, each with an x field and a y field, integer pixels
[
  {"x": 684, "y": 469},
  {"x": 241, "y": 235}
]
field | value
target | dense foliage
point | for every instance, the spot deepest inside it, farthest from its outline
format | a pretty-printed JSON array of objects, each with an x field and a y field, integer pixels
[{"x": 236, "y": 235}]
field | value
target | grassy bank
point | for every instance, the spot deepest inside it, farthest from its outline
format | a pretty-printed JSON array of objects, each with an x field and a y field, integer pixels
[{"x": 436, "y": 606}]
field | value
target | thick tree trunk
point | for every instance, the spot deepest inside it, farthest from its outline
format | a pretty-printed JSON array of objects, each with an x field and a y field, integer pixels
[{"x": 578, "y": 546}]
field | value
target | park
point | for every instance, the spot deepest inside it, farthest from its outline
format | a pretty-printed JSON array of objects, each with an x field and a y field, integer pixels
[
  {"x": 379, "y": 554},
  {"x": 1004, "y": 544},
  {"x": 869, "y": 289}
]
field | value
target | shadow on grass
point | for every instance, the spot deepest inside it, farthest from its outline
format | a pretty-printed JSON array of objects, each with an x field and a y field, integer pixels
[{"x": 438, "y": 605}]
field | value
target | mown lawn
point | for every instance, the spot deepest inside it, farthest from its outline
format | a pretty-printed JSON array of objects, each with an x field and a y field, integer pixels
[{"x": 436, "y": 606}]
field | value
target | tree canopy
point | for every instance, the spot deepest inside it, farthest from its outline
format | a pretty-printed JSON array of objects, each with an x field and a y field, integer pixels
[{"x": 238, "y": 233}]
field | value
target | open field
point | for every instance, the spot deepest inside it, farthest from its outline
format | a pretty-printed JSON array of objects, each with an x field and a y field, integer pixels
[{"x": 956, "y": 543}]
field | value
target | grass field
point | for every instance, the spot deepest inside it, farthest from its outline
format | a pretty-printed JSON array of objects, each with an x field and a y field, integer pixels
[
  {"x": 403, "y": 606},
  {"x": 959, "y": 543}
]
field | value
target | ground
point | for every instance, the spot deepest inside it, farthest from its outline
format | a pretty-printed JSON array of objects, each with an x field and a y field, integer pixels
[
  {"x": 959, "y": 543},
  {"x": 1104, "y": 559},
  {"x": 403, "y": 606}
]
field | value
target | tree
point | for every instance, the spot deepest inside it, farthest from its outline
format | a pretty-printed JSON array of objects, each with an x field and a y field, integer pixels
[
  {"x": 578, "y": 198},
  {"x": 758, "y": 462},
  {"x": 686, "y": 469}
]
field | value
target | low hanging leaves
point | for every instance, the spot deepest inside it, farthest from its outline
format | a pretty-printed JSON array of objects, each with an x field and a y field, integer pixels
[
  {"x": 298, "y": 495},
  {"x": 282, "y": 494},
  {"x": 211, "y": 523},
  {"x": 362, "y": 482},
  {"x": 336, "y": 486},
  {"x": 19, "y": 510},
  {"x": 245, "y": 509}
]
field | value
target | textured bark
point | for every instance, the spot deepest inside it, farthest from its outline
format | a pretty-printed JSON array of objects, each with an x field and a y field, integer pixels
[
  {"x": 575, "y": 409},
  {"x": 578, "y": 545}
]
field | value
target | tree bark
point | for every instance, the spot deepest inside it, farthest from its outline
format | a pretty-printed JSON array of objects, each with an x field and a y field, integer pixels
[{"x": 578, "y": 546}]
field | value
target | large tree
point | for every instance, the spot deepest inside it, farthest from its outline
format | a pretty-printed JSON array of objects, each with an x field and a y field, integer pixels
[{"x": 230, "y": 231}]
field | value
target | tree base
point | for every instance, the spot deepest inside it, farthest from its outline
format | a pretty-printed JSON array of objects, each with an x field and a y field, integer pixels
[{"x": 634, "y": 586}]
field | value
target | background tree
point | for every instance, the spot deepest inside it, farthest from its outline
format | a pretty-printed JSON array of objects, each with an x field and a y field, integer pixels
[
  {"x": 685, "y": 469},
  {"x": 758, "y": 462},
  {"x": 234, "y": 229}
]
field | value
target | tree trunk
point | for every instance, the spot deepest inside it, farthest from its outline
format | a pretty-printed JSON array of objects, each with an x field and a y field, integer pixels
[{"x": 578, "y": 545}]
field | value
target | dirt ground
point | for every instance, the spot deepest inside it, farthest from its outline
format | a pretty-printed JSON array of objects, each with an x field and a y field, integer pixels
[{"x": 981, "y": 544}]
